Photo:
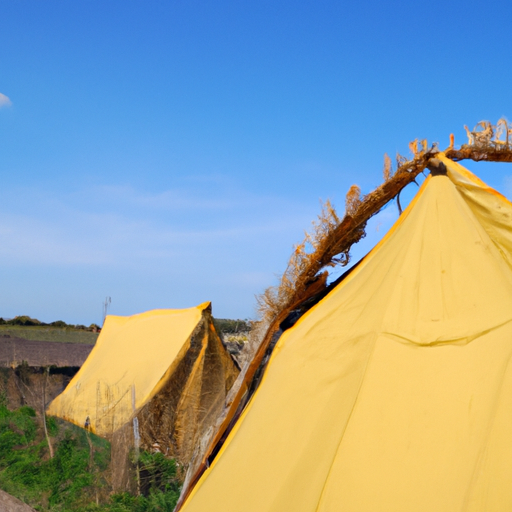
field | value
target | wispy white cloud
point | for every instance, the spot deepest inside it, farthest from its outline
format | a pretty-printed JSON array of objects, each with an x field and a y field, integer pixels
[
  {"x": 4, "y": 101},
  {"x": 200, "y": 199},
  {"x": 46, "y": 229},
  {"x": 224, "y": 246},
  {"x": 84, "y": 239},
  {"x": 31, "y": 241},
  {"x": 166, "y": 200}
]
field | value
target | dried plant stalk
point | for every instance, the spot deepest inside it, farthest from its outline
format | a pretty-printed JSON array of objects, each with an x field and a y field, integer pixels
[
  {"x": 301, "y": 269},
  {"x": 387, "y": 171}
]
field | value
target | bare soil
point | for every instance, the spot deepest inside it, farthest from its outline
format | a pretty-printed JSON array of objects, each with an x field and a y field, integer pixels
[
  {"x": 9, "y": 503},
  {"x": 15, "y": 351}
]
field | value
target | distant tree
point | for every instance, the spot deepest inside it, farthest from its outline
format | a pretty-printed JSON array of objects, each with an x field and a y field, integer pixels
[
  {"x": 226, "y": 325},
  {"x": 59, "y": 323},
  {"x": 23, "y": 320}
]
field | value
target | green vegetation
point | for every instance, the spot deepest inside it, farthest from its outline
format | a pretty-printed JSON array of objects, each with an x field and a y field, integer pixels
[
  {"x": 33, "y": 322},
  {"x": 50, "y": 332},
  {"x": 227, "y": 326},
  {"x": 76, "y": 478}
]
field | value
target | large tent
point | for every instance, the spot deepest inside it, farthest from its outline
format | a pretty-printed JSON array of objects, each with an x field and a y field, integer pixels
[
  {"x": 166, "y": 369},
  {"x": 394, "y": 392}
]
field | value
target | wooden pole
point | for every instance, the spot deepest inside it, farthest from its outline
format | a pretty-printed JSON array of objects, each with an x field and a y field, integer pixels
[{"x": 45, "y": 381}]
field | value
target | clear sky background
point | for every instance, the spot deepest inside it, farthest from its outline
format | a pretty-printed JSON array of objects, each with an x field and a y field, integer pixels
[{"x": 165, "y": 153}]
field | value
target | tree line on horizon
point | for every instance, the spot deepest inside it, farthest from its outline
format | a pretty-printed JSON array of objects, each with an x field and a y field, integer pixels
[
  {"x": 223, "y": 325},
  {"x": 27, "y": 321}
]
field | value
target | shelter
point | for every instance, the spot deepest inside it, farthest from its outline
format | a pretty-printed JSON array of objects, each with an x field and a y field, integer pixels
[
  {"x": 394, "y": 392},
  {"x": 166, "y": 370}
]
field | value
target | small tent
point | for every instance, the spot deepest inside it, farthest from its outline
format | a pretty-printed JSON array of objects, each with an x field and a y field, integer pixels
[
  {"x": 166, "y": 369},
  {"x": 394, "y": 392}
]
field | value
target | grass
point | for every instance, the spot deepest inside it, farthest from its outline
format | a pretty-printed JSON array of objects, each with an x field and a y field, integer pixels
[
  {"x": 76, "y": 478},
  {"x": 49, "y": 333}
]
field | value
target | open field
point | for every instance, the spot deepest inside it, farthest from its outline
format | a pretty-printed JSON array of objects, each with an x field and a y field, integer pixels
[
  {"x": 37, "y": 353},
  {"x": 49, "y": 333}
]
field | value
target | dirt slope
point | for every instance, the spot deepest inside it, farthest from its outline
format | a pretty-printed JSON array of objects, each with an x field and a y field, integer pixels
[{"x": 9, "y": 503}]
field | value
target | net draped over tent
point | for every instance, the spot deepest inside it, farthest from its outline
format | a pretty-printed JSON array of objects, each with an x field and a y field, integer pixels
[
  {"x": 394, "y": 392},
  {"x": 168, "y": 368}
]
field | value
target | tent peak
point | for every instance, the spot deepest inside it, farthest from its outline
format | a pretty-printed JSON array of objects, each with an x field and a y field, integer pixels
[{"x": 437, "y": 167}]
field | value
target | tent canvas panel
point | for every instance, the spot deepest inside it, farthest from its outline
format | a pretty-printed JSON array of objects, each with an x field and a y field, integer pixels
[
  {"x": 191, "y": 397},
  {"x": 392, "y": 392},
  {"x": 168, "y": 368},
  {"x": 128, "y": 362}
]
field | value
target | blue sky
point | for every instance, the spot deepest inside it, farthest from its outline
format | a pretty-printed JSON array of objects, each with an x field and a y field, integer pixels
[{"x": 169, "y": 153}]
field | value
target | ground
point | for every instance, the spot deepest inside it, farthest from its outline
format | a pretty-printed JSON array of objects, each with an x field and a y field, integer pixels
[{"x": 14, "y": 351}]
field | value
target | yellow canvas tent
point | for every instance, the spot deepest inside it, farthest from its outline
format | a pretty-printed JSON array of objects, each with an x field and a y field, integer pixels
[
  {"x": 167, "y": 368},
  {"x": 394, "y": 392}
]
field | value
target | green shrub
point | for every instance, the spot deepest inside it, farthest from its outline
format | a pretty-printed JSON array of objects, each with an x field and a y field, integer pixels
[
  {"x": 58, "y": 323},
  {"x": 69, "y": 481},
  {"x": 157, "y": 473},
  {"x": 17, "y": 430},
  {"x": 52, "y": 426},
  {"x": 225, "y": 325},
  {"x": 23, "y": 320}
]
